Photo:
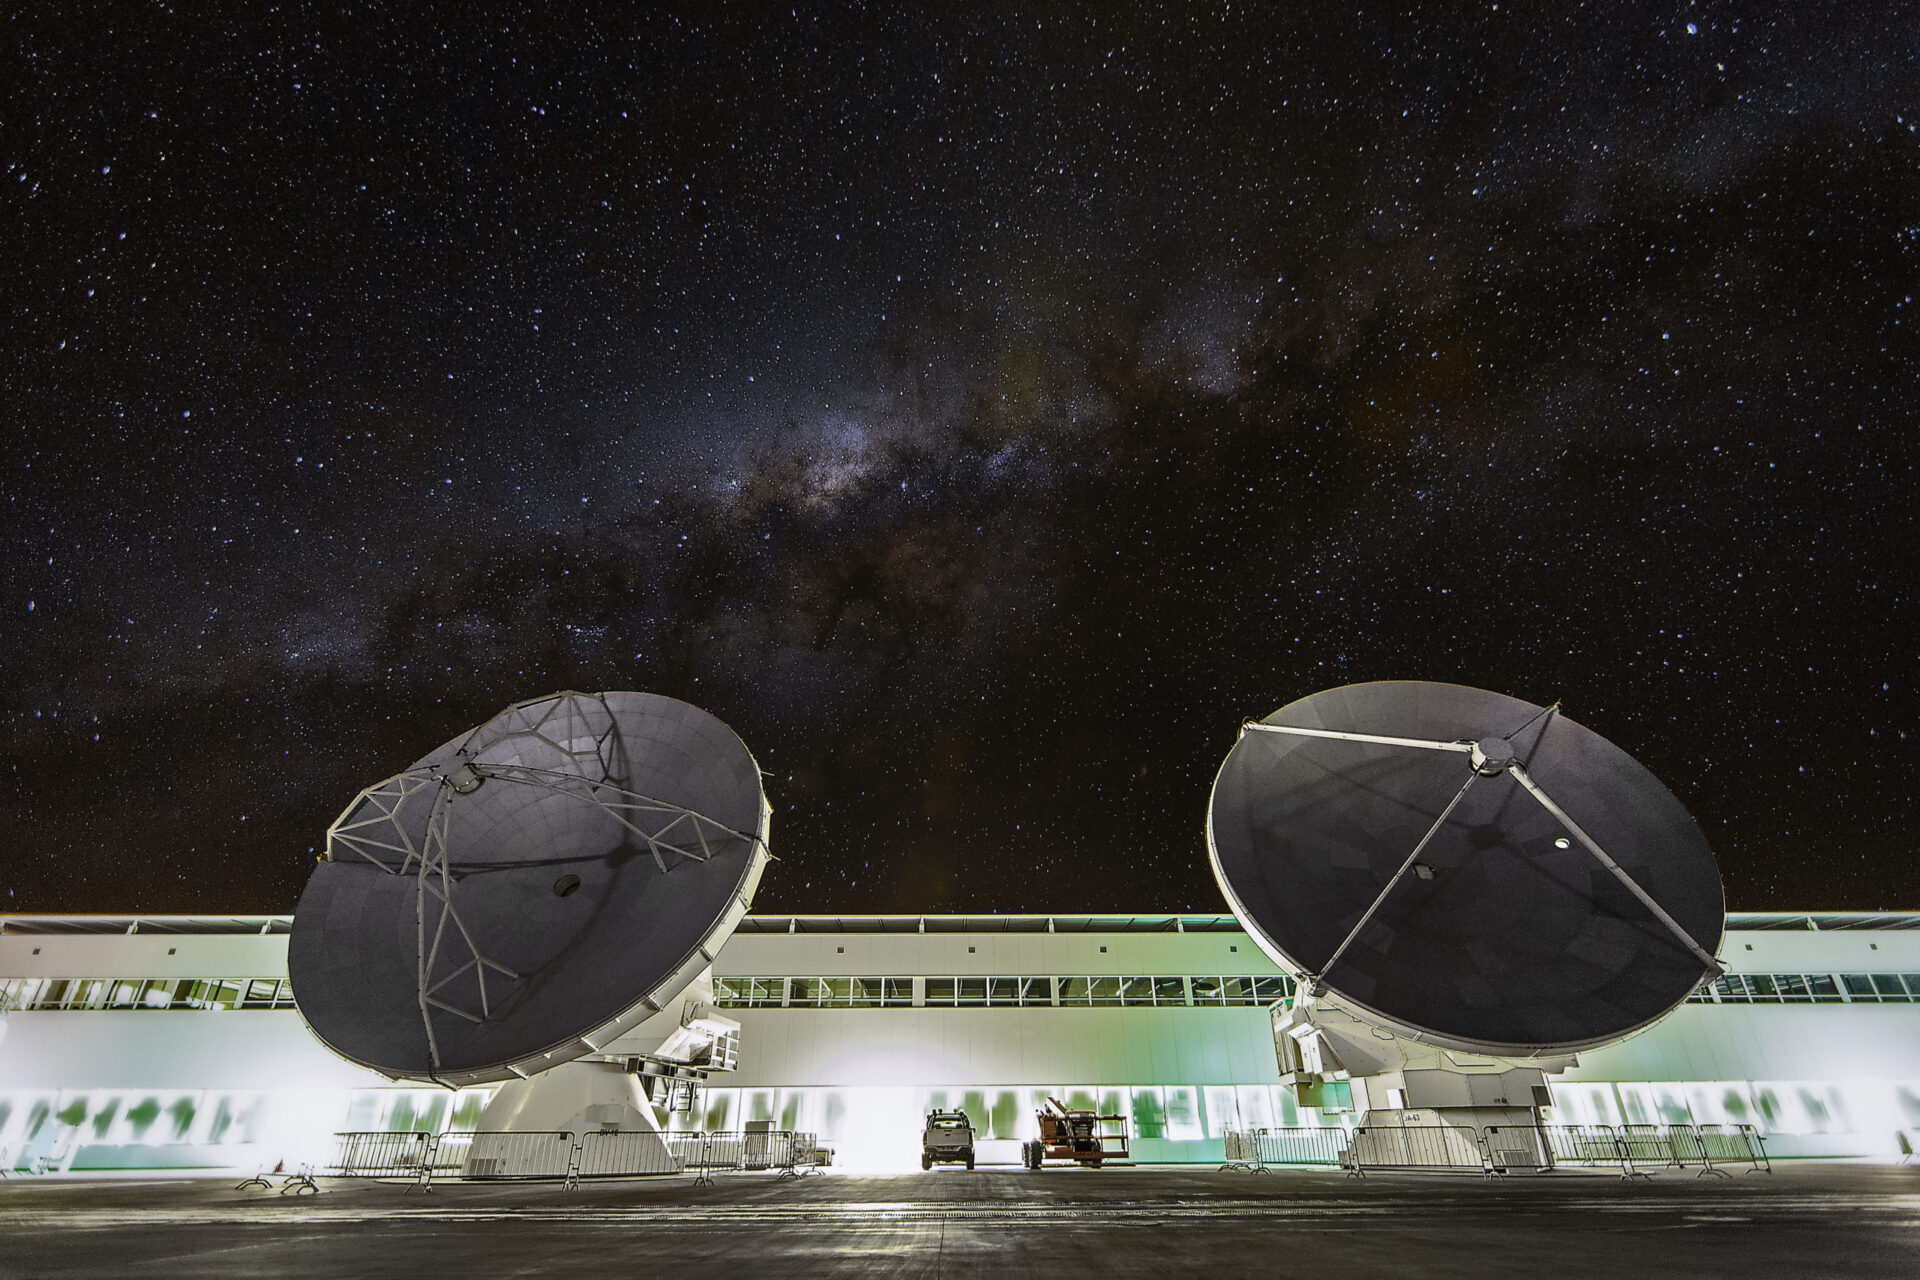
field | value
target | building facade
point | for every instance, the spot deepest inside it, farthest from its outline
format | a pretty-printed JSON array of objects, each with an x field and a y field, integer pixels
[{"x": 173, "y": 1042}]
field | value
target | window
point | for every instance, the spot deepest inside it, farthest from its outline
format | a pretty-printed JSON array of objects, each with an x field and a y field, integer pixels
[
  {"x": 1104, "y": 990},
  {"x": 1074, "y": 991},
  {"x": 940, "y": 990},
  {"x": 260, "y": 994},
  {"x": 1268, "y": 990},
  {"x": 1169, "y": 990},
  {"x": 1239, "y": 991},
  {"x": 1136, "y": 991},
  {"x": 1207, "y": 991},
  {"x": 972, "y": 992},
  {"x": 1040, "y": 990}
]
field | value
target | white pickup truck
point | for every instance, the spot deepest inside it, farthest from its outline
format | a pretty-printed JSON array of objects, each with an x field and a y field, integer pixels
[{"x": 947, "y": 1139}]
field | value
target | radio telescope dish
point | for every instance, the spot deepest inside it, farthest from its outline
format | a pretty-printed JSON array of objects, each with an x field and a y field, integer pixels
[
  {"x": 530, "y": 890},
  {"x": 1471, "y": 870}
]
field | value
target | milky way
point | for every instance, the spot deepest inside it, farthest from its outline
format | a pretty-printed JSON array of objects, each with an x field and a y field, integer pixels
[{"x": 982, "y": 415}]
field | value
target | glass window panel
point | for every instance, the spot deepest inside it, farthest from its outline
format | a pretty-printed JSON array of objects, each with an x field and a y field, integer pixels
[
  {"x": 940, "y": 990},
  {"x": 769, "y": 991},
  {"x": 1913, "y": 985},
  {"x": 1040, "y": 990},
  {"x": 1003, "y": 990},
  {"x": 224, "y": 993},
  {"x": 123, "y": 993},
  {"x": 32, "y": 993},
  {"x": 1858, "y": 985},
  {"x": 261, "y": 993},
  {"x": 804, "y": 993},
  {"x": 972, "y": 991},
  {"x": 1791, "y": 986},
  {"x": 1170, "y": 990},
  {"x": 1822, "y": 986},
  {"x": 1104, "y": 990},
  {"x": 1732, "y": 989},
  {"x": 157, "y": 993},
  {"x": 1267, "y": 990},
  {"x": 1761, "y": 986},
  {"x": 1206, "y": 991},
  {"x": 1889, "y": 987},
  {"x": 1240, "y": 991},
  {"x": 87, "y": 993},
  {"x": 732, "y": 993},
  {"x": 1136, "y": 991},
  {"x": 869, "y": 993},
  {"x": 1074, "y": 990},
  {"x": 836, "y": 991},
  {"x": 899, "y": 990}
]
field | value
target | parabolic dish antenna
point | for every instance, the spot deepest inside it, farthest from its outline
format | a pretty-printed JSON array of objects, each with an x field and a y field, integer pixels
[
  {"x": 1471, "y": 870},
  {"x": 531, "y": 890}
]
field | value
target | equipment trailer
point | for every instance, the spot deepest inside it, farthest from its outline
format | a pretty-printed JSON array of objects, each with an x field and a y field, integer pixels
[{"x": 1076, "y": 1136}]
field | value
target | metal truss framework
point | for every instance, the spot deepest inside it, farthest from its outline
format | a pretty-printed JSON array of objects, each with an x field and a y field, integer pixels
[
  {"x": 379, "y": 828},
  {"x": 1488, "y": 757}
]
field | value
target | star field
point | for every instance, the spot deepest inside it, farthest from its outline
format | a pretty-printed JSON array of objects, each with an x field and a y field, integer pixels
[{"x": 982, "y": 413}]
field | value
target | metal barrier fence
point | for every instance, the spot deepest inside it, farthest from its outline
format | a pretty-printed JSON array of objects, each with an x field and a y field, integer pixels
[
  {"x": 1435, "y": 1148},
  {"x": 1634, "y": 1148},
  {"x": 499, "y": 1155},
  {"x": 1253, "y": 1150},
  {"x": 1514, "y": 1148},
  {"x": 380, "y": 1155},
  {"x": 613, "y": 1155},
  {"x": 485, "y": 1155},
  {"x": 788, "y": 1153},
  {"x": 1735, "y": 1144},
  {"x": 1591, "y": 1145}
]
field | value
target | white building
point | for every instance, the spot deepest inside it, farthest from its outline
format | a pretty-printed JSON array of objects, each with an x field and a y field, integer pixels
[{"x": 172, "y": 1041}]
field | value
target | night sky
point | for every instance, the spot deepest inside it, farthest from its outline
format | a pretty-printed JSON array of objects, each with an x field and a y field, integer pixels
[{"x": 981, "y": 410}]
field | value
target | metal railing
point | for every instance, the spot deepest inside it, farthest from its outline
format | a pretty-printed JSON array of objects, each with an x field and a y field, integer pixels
[
  {"x": 787, "y": 1153},
  {"x": 381, "y": 1154},
  {"x": 1436, "y": 1148},
  {"x": 495, "y": 1155},
  {"x": 484, "y": 1155},
  {"x": 617, "y": 1155},
  {"x": 1516, "y": 1148},
  {"x": 1725, "y": 1144},
  {"x": 1254, "y": 1150},
  {"x": 1636, "y": 1148}
]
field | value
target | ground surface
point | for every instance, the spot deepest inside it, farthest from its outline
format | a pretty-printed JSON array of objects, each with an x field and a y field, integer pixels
[{"x": 1804, "y": 1220}]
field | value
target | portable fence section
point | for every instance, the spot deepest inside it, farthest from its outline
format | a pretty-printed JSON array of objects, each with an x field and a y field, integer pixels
[
  {"x": 1650, "y": 1145},
  {"x": 1242, "y": 1151},
  {"x": 380, "y": 1155},
  {"x": 1437, "y": 1149},
  {"x": 624, "y": 1155},
  {"x": 496, "y": 1155},
  {"x": 1515, "y": 1148},
  {"x": 1594, "y": 1146},
  {"x": 1301, "y": 1144},
  {"x": 1735, "y": 1144}
]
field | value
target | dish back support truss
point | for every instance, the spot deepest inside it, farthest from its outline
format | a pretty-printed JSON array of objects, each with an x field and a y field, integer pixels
[
  {"x": 386, "y": 826},
  {"x": 1487, "y": 757}
]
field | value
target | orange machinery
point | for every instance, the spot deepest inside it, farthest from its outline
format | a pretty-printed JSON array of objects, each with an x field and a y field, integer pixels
[{"x": 1072, "y": 1135}]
